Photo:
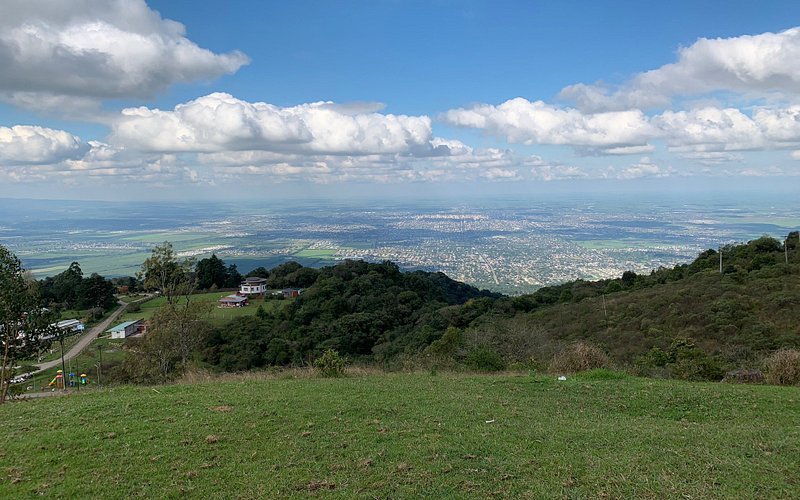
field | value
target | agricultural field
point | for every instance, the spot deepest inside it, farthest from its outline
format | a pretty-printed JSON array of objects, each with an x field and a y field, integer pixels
[{"x": 402, "y": 435}]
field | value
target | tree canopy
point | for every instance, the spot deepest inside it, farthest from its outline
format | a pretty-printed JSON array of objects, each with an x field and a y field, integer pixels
[{"x": 24, "y": 325}]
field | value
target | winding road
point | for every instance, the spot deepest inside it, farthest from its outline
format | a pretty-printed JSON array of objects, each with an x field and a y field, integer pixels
[{"x": 85, "y": 340}]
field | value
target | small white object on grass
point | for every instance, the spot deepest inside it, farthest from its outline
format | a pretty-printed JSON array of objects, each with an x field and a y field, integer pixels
[
  {"x": 562, "y": 378},
  {"x": 490, "y": 421}
]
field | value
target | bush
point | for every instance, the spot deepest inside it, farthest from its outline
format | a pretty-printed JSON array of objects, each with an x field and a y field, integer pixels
[
  {"x": 783, "y": 367},
  {"x": 330, "y": 364},
  {"x": 579, "y": 357},
  {"x": 744, "y": 376},
  {"x": 485, "y": 360},
  {"x": 683, "y": 360}
]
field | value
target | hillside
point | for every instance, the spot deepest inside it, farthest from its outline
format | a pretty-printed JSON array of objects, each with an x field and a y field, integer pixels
[
  {"x": 404, "y": 435},
  {"x": 376, "y": 313},
  {"x": 734, "y": 317}
]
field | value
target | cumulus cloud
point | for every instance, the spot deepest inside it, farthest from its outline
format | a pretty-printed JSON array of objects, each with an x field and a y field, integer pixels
[
  {"x": 89, "y": 50},
  {"x": 220, "y": 122},
  {"x": 644, "y": 168},
  {"x": 558, "y": 172},
  {"x": 522, "y": 121},
  {"x": 752, "y": 64},
  {"x": 728, "y": 128},
  {"x": 23, "y": 144}
]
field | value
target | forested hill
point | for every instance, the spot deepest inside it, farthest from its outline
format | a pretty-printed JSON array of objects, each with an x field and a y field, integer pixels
[
  {"x": 731, "y": 318},
  {"x": 379, "y": 313},
  {"x": 354, "y": 307}
]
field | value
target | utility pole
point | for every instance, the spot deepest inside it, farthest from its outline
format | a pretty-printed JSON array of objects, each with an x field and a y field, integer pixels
[
  {"x": 63, "y": 366},
  {"x": 720, "y": 259},
  {"x": 605, "y": 313},
  {"x": 100, "y": 364},
  {"x": 786, "y": 250}
]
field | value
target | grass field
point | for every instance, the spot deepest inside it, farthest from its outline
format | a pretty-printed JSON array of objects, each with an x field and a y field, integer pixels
[
  {"x": 218, "y": 315},
  {"x": 407, "y": 435},
  {"x": 316, "y": 253}
]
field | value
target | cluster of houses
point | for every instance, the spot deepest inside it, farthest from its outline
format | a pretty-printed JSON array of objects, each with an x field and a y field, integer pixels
[
  {"x": 251, "y": 287},
  {"x": 255, "y": 287}
]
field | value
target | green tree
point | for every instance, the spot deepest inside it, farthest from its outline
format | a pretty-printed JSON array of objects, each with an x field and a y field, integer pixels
[
  {"x": 173, "y": 335},
  {"x": 259, "y": 272},
  {"x": 96, "y": 291},
  {"x": 210, "y": 271},
  {"x": 24, "y": 326},
  {"x": 163, "y": 271},
  {"x": 232, "y": 277}
]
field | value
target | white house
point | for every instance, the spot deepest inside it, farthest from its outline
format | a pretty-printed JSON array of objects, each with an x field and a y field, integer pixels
[
  {"x": 253, "y": 286},
  {"x": 127, "y": 329}
]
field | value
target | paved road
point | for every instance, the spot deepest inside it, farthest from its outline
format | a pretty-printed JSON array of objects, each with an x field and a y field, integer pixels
[{"x": 84, "y": 341}]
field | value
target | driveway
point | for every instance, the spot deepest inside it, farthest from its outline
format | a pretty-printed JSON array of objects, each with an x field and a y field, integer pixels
[{"x": 85, "y": 340}]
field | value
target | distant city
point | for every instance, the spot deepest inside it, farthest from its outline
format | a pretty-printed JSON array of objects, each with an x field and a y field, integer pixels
[{"x": 512, "y": 246}]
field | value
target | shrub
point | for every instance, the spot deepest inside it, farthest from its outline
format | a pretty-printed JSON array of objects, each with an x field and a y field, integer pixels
[
  {"x": 485, "y": 360},
  {"x": 744, "y": 376},
  {"x": 682, "y": 360},
  {"x": 330, "y": 364},
  {"x": 134, "y": 307},
  {"x": 579, "y": 357},
  {"x": 783, "y": 367}
]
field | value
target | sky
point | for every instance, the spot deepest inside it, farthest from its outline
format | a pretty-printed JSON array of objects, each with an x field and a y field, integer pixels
[{"x": 184, "y": 100}]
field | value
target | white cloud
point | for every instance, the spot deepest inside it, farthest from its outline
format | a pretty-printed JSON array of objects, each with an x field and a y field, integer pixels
[
  {"x": 558, "y": 172},
  {"x": 727, "y": 129},
  {"x": 752, "y": 64},
  {"x": 220, "y": 122},
  {"x": 23, "y": 144},
  {"x": 644, "y": 168},
  {"x": 522, "y": 121},
  {"x": 97, "y": 49},
  {"x": 779, "y": 124}
]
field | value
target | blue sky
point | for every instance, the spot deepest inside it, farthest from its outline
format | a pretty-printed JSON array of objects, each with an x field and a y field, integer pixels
[{"x": 185, "y": 99}]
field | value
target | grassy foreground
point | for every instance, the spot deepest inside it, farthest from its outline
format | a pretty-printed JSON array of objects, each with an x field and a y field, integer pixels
[{"x": 405, "y": 436}]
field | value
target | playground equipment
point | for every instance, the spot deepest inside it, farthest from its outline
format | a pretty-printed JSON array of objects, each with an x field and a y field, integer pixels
[{"x": 58, "y": 380}]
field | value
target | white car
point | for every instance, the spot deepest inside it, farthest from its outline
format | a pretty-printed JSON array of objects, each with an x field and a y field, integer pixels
[{"x": 20, "y": 378}]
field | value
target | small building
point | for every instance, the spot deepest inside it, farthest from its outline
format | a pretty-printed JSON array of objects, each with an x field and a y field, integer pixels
[
  {"x": 289, "y": 293},
  {"x": 70, "y": 326},
  {"x": 124, "y": 330},
  {"x": 253, "y": 286},
  {"x": 233, "y": 301}
]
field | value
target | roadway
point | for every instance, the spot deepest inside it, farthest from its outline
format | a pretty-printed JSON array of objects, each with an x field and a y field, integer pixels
[{"x": 85, "y": 340}]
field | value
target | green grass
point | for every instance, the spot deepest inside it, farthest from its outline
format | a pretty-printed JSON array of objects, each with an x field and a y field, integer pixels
[
  {"x": 316, "y": 253},
  {"x": 398, "y": 436},
  {"x": 173, "y": 237},
  {"x": 218, "y": 316},
  {"x": 83, "y": 363},
  {"x": 55, "y": 348}
]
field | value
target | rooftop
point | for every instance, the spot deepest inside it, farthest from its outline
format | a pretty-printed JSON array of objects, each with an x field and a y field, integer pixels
[
  {"x": 122, "y": 326},
  {"x": 232, "y": 298}
]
